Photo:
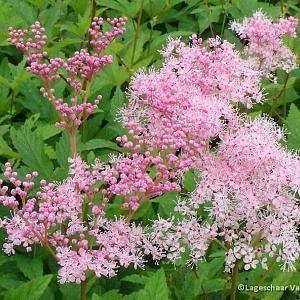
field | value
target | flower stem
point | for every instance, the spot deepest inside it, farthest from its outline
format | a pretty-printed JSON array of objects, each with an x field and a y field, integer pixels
[
  {"x": 137, "y": 32},
  {"x": 73, "y": 144},
  {"x": 234, "y": 278},
  {"x": 83, "y": 290}
]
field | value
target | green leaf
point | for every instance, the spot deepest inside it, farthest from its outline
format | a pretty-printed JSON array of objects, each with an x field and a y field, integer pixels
[
  {"x": 110, "y": 295},
  {"x": 189, "y": 181},
  {"x": 37, "y": 3},
  {"x": 31, "y": 121},
  {"x": 35, "y": 102},
  {"x": 31, "y": 267},
  {"x": 293, "y": 128},
  {"x": 49, "y": 17},
  {"x": 117, "y": 102},
  {"x": 31, "y": 148},
  {"x": 155, "y": 288},
  {"x": 10, "y": 281},
  {"x": 32, "y": 290},
  {"x": 8, "y": 17},
  {"x": 63, "y": 150},
  {"x": 79, "y": 6},
  {"x": 3, "y": 259},
  {"x": 214, "y": 285},
  {"x": 282, "y": 279},
  {"x": 62, "y": 44},
  {"x": 5, "y": 82},
  {"x": 47, "y": 131},
  {"x": 135, "y": 278},
  {"x": 113, "y": 74},
  {"x": 208, "y": 16},
  {"x": 211, "y": 268},
  {"x": 6, "y": 151},
  {"x": 70, "y": 291},
  {"x": 129, "y": 8},
  {"x": 145, "y": 211},
  {"x": 24, "y": 10},
  {"x": 167, "y": 203},
  {"x": 100, "y": 143},
  {"x": 49, "y": 150}
]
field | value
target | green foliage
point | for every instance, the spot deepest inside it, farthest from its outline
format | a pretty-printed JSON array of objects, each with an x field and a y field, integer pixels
[
  {"x": 31, "y": 267},
  {"x": 31, "y": 148},
  {"x": 32, "y": 290},
  {"x": 293, "y": 127},
  {"x": 29, "y": 139}
]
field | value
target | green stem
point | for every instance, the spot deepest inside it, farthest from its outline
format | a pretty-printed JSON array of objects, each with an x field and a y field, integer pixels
[
  {"x": 275, "y": 97},
  {"x": 224, "y": 19},
  {"x": 83, "y": 290},
  {"x": 73, "y": 145},
  {"x": 234, "y": 278},
  {"x": 50, "y": 250},
  {"x": 221, "y": 244},
  {"x": 209, "y": 18},
  {"x": 84, "y": 121},
  {"x": 93, "y": 14},
  {"x": 282, "y": 6},
  {"x": 12, "y": 100},
  {"x": 137, "y": 32}
]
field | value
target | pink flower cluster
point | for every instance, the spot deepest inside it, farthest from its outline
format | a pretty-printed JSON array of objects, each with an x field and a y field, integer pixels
[
  {"x": 116, "y": 244},
  {"x": 101, "y": 40},
  {"x": 78, "y": 70},
  {"x": 264, "y": 38},
  {"x": 249, "y": 187},
  {"x": 71, "y": 116},
  {"x": 35, "y": 42},
  {"x": 86, "y": 242},
  {"x": 176, "y": 115},
  {"x": 130, "y": 177},
  {"x": 188, "y": 102}
]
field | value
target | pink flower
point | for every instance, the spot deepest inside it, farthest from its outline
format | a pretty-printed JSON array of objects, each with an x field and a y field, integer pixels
[{"x": 264, "y": 38}]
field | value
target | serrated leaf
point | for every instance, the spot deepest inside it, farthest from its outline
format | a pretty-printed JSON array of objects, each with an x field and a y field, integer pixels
[
  {"x": 30, "y": 267},
  {"x": 31, "y": 148},
  {"x": 135, "y": 278},
  {"x": 31, "y": 121},
  {"x": 6, "y": 151},
  {"x": 63, "y": 43},
  {"x": 63, "y": 150},
  {"x": 49, "y": 150},
  {"x": 189, "y": 181},
  {"x": 32, "y": 290},
  {"x": 50, "y": 16},
  {"x": 79, "y": 6},
  {"x": 3, "y": 259},
  {"x": 110, "y": 295},
  {"x": 26, "y": 11},
  {"x": 10, "y": 281},
  {"x": 35, "y": 102},
  {"x": 167, "y": 203},
  {"x": 47, "y": 131},
  {"x": 155, "y": 288},
  {"x": 100, "y": 143},
  {"x": 5, "y": 82},
  {"x": 117, "y": 102},
  {"x": 70, "y": 291},
  {"x": 214, "y": 285},
  {"x": 293, "y": 128}
]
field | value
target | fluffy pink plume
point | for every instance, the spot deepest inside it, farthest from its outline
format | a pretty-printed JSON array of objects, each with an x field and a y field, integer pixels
[
  {"x": 182, "y": 116},
  {"x": 265, "y": 40}
]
